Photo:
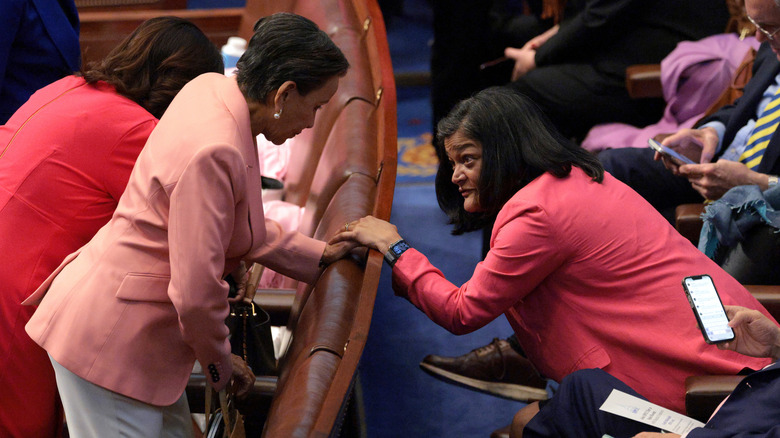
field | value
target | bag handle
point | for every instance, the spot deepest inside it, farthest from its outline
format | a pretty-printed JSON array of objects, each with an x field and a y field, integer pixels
[
  {"x": 226, "y": 413},
  {"x": 255, "y": 272},
  {"x": 224, "y": 404},
  {"x": 208, "y": 402}
]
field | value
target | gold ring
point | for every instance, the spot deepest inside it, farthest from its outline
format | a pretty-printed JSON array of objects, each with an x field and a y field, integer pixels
[{"x": 346, "y": 226}]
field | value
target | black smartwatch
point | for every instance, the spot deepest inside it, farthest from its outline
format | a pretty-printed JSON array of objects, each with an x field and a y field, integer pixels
[{"x": 395, "y": 250}]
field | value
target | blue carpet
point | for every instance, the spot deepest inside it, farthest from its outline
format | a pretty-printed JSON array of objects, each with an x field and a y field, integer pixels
[
  {"x": 409, "y": 37},
  {"x": 400, "y": 399}
]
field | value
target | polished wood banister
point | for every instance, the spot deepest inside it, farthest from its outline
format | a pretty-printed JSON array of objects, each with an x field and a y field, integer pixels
[{"x": 102, "y": 31}]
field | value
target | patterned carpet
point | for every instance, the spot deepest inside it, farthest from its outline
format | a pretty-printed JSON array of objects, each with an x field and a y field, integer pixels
[
  {"x": 416, "y": 159},
  {"x": 417, "y": 162},
  {"x": 410, "y": 36}
]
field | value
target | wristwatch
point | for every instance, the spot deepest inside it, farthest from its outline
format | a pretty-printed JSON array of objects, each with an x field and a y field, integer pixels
[
  {"x": 395, "y": 250},
  {"x": 772, "y": 181}
]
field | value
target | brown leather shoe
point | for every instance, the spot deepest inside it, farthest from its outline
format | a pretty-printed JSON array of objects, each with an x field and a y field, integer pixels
[{"x": 495, "y": 369}]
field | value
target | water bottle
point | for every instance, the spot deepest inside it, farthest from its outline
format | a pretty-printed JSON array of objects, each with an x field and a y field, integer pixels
[{"x": 233, "y": 50}]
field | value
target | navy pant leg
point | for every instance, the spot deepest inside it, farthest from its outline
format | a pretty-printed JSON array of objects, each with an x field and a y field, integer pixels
[
  {"x": 574, "y": 410},
  {"x": 661, "y": 188}
]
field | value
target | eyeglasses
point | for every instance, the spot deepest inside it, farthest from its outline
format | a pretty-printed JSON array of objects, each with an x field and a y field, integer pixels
[{"x": 769, "y": 35}]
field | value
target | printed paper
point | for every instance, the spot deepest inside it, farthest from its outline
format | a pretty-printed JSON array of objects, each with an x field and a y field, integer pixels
[{"x": 628, "y": 406}]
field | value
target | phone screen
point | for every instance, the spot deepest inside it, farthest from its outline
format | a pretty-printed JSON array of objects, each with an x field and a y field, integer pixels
[{"x": 708, "y": 308}]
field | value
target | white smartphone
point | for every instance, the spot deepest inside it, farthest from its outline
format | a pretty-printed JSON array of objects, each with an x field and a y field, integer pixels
[
  {"x": 709, "y": 310},
  {"x": 671, "y": 153}
]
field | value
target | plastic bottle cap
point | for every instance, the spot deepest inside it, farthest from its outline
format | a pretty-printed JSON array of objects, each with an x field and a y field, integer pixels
[
  {"x": 232, "y": 51},
  {"x": 235, "y": 46}
]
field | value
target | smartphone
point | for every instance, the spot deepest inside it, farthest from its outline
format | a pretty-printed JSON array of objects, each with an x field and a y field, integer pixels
[
  {"x": 709, "y": 310},
  {"x": 671, "y": 153}
]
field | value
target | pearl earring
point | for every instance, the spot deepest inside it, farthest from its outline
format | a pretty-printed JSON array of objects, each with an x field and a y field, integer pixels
[{"x": 278, "y": 114}]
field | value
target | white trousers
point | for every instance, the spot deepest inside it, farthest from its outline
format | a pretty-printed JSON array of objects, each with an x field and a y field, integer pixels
[{"x": 95, "y": 412}]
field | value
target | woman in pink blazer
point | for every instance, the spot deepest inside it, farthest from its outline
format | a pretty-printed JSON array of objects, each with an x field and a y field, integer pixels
[
  {"x": 124, "y": 318},
  {"x": 585, "y": 270},
  {"x": 65, "y": 158}
]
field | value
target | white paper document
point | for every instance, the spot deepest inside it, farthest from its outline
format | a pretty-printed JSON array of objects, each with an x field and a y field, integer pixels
[{"x": 628, "y": 406}]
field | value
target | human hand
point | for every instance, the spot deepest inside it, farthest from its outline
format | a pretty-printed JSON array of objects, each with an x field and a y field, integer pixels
[
  {"x": 754, "y": 334},
  {"x": 524, "y": 61},
  {"x": 369, "y": 231},
  {"x": 696, "y": 144},
  {"x": 242, "y": 380},
  {"x": 656, "y": 435},
  {"x": 336, "y": 251},
  {"x": 241, "y": 276},
  {"x": 712, "y": 180},
  {"x": 539, "y": 40}
]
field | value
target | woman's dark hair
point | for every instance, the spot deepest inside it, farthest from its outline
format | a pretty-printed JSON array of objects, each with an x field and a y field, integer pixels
[
  {"x": 288, "y": 47},
  {"x": 519, "y": 143},
  {"x": 152, "y": 64}
]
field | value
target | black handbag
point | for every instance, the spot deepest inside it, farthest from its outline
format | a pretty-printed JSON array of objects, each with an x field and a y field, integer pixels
[{"x": 250, "y": 334}]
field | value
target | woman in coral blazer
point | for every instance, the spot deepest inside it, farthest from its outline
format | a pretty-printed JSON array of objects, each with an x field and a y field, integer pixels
[
  {"x": 587, "y": 273},
  {"x": 127, "y": 315},
  {"x": 65, "y": 158}
]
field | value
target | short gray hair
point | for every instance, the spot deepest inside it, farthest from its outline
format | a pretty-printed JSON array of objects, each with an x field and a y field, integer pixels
[{"x": 288, "y": 47}]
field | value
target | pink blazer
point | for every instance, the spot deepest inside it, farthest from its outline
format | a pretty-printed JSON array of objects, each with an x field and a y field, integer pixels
[{"x": 132, "y": 310}]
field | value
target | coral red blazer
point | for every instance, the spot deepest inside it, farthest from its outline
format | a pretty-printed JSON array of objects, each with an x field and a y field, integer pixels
[{"x": 589, "y": 275}]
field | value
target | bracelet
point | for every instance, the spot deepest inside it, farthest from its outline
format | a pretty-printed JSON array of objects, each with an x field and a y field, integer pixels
[{"x": 395, "y": 250}]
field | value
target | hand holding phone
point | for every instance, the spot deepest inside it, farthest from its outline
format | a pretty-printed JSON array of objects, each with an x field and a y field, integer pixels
[
  {"x": 709, "y": 310},
  {"x": 675, "y": 156},
  {"x": 755, "y": 335}
]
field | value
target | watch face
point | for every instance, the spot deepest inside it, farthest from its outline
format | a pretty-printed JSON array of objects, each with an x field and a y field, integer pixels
[{"x": 399, "y": 248}]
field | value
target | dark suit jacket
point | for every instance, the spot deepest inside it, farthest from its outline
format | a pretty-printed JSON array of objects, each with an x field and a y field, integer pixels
[
  {"x": 39, "y": 44},
  {"x": 737, "y": 115},
  {"x": 753, "y": 409},
  {"x": 613, "y": 34}
]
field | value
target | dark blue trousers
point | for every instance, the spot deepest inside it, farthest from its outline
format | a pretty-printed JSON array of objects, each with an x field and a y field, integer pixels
[
  {"x": 574, "y": 410},
  {"x": 661, "y": 188}
]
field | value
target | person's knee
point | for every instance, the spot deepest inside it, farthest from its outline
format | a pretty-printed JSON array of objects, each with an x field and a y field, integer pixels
[
  {"x": 585, "y": 376},
  {"x": 613, "y": 160},
  {"x": 607, "y": 159},
  {"x": 521, "y": 418},
  {"x": 588, "y": 382},
  {"x": 630, "y": 165}
]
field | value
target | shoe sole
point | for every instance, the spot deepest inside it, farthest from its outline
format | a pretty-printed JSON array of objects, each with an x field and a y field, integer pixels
[{"x": 509, "y": 391}]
